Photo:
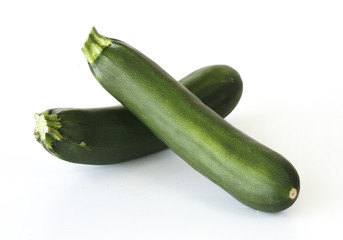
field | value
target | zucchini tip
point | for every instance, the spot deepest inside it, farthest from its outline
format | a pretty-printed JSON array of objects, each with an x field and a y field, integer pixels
[{"x": 293, "y": 193}]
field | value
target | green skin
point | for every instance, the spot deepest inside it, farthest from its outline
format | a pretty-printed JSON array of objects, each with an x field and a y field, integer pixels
[
  {"x": 252, "y": 173},
  {"x": 112, "y": 135}
]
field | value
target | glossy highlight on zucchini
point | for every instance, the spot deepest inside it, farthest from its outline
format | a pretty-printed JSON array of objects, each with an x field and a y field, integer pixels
[
  {"x": 251, "y": 172},
  {"x": 112, "y": 134}
]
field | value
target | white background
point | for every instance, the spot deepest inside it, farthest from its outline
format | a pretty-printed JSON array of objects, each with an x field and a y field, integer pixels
[{"x": 290, "y": 57}]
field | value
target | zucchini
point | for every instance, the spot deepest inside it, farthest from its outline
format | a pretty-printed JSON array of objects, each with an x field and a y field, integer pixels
[
  {"x": 252, "y": 173},
  {"x": 111, "y": 135}
]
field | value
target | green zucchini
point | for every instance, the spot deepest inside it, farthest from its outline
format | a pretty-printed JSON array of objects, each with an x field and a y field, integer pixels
[
  {"x": 111, "y": 135},
  {"x": 252, "y": 173}
]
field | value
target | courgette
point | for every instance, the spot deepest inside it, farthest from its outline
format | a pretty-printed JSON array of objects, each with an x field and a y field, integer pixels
[
  {"x": 252, "y": 173},
  {"x": 111, "y": 135}
]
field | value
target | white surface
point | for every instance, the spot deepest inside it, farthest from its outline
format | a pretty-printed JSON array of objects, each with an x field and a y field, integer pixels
[{"x": 290, "y": 57}]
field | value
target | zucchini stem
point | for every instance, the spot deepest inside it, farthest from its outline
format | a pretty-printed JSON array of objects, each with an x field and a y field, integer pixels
[
  {"x": 94, "y": 45},
  {"x": 41, "y": 126},
  {"x": 46, "y": 130}
]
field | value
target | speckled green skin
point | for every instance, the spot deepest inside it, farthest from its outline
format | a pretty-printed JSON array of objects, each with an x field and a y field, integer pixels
[
  {"x": 252, "y": 173},
  {"x": 112, "y": 135}
]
